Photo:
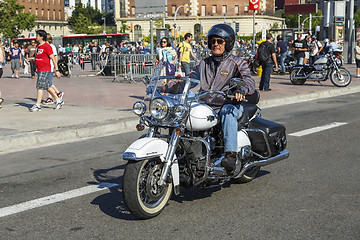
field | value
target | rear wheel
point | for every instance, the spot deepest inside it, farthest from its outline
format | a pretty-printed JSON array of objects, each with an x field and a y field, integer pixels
[
  {"x": 144, "y": 197},
  {"x": 340, "y": 78},
  {"x": 249, "y": 175},
  {"x": 297, "y": 73}
]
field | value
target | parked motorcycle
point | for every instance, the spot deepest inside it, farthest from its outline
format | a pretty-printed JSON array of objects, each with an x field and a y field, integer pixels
[
  {"x": 320, "y": 71},
  {"x": 63, "y": 63},
  {"x": 338, "y": 57},
  {"x": 184, "y": 145},
  {"x": 254, "y": 64}
]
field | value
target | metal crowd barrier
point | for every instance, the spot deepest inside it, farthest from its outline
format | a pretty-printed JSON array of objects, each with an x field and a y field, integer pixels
[{"x": 131, "y": 66}]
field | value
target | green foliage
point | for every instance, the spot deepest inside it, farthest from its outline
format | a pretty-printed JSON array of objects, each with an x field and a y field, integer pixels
[
  {"x": 292, "y": 20},
  {"x": 12, "y": 19},
  {"x": 87, "y": 20},
  {"x": 124, "y": 27},
  {"x": 357, "y": 18}
]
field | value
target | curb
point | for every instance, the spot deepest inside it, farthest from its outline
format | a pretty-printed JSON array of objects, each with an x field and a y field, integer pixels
[
  {"x": 307, "y": 97},
  {"x": 61, "y": 135},
  {"x": 75, "y": 133}
]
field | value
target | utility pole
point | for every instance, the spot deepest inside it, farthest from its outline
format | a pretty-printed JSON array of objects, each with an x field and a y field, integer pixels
[{"x": 351, "y": 33}]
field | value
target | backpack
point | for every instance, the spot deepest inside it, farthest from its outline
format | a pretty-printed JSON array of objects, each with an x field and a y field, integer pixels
[{"x": 263, "y": 52}]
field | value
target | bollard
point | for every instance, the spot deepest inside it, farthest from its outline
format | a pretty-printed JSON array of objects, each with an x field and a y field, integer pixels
[{"x": 259, "y": 71}]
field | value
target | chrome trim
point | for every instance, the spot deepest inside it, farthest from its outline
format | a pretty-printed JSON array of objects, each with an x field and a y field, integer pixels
[
  {"x": 281, "y": 156},
  {"x": 137, "y": 158}
]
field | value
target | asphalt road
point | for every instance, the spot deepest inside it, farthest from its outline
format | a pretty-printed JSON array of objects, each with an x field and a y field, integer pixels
[{"x": 312, "y": 195}]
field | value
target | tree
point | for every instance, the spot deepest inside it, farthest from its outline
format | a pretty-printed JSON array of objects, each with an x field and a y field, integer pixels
[
  {"x": 13, "y": 21},
  {"x": 357, "y": 18},
  {"x": 83, "y": 25},
  {"x": 124, "y": 27},
  {"x": 292, "y": 20},
  {"x": 93, "y": 18}
]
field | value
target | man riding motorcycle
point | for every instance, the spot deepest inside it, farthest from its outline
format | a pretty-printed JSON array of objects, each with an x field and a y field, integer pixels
[{"x": 215, "y": 73}]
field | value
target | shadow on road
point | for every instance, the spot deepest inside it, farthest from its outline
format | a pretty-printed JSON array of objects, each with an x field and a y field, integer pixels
[{"x": 112, "y": 203}]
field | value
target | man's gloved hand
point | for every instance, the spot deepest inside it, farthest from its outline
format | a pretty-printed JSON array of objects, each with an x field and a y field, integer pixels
[{"x": 239, "y": 94}]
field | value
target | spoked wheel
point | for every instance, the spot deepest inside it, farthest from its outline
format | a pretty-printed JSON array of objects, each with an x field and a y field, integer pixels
[
  {"x": 144, "y": 197},
  {"x": 341, "y": 77},
  {"x": 339, "y": 61},
  {"x": 249, "y": 175},
  {"x": 297, "y": 73}
]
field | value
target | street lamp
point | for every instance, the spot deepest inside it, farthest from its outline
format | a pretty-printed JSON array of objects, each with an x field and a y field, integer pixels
[
  {"x": 104, "y": 18},
  {"x": 184, "y": 6},
  {"x": 310, "y": 20},
  {"x": 233, "y": 8}
]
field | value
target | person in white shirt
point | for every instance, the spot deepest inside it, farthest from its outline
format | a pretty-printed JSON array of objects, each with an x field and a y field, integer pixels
[
  {"x": 315, "y": 49},
  {"x": 49, "y": 100}
]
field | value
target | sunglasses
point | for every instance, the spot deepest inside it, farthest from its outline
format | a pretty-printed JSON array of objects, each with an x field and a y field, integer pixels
[
  {"x": 163, "y": 42},
  {"x": 219, "y": 41}
]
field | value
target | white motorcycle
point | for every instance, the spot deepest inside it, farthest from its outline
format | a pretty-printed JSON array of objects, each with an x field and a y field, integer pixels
[{"x": 184, "y": 145}]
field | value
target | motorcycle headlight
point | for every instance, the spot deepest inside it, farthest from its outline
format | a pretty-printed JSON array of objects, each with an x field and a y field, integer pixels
[
  {"x": 180, "y": 111},
  {"x": 139, "y": 108},
  {"x": 159, "y": 108}
]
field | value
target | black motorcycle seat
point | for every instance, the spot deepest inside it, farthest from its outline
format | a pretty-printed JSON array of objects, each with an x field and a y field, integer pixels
[{"x": 249, "y": 112}]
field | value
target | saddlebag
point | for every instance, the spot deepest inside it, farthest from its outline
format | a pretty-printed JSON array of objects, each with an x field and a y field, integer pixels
[{"x": 261, "y": 132}]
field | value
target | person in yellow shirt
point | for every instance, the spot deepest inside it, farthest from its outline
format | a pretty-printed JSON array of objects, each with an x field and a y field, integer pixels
[{"x": 185, "y": 51}]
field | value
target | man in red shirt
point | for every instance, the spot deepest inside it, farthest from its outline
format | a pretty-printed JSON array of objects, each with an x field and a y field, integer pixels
[{"x": 43, "y": 55}]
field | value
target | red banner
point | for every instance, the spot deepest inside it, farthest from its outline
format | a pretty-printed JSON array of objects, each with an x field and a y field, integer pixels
[{"x": 253, "y": 4}]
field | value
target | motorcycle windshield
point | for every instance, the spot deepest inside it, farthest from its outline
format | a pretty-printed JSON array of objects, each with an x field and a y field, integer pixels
[{"x": 172, "y": 86}]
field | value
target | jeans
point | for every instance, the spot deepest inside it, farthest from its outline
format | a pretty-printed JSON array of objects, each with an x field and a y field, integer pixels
[
  {"x": 185, "y": 67},
  {"x": 265, "y": 76},
  {"x": 32, "y": 68},
  {"x": 229, "y": 115},
  {"x": 313, "y": 59},
  {"x": 300, "y": 61},
  {"x": 282, "y": 60}
]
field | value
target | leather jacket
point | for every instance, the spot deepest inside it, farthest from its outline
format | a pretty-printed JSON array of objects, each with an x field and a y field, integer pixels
[{"x": 215, "y": 74}]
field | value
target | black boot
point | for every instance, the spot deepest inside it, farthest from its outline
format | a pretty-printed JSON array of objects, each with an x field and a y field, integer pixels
[{"x": 229, "y": 162}]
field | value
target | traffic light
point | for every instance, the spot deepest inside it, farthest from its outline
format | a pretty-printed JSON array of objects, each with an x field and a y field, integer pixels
[{"x": 237, "y": 27}]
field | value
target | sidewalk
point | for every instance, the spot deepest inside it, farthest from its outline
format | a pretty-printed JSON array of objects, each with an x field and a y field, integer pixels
[{"x": 96, "y": 106}]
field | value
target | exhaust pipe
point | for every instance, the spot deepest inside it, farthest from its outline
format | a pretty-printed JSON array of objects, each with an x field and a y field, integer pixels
[{"x": 281, "y": 156}]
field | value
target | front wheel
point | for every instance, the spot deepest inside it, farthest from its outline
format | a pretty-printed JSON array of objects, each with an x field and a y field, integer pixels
[
  {"x": 341, "y": 77},
  {"x": 144, "y": 197},
  {"x": 297, "y": 73}
]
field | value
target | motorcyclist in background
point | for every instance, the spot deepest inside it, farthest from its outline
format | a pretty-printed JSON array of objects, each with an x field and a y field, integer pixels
[{"x": 215, "y": 73}]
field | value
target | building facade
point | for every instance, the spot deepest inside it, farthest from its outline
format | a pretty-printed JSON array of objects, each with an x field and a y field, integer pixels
[
  {"x": 50, "y": 16},
  {"x": 200, "y": 13}
]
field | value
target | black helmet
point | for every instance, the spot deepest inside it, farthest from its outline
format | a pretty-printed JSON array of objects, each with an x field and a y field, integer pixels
[
  {"x": 224, "y": 31},
  {"x": 279, "y": 37},
  {"x": 313, "y": 37}
]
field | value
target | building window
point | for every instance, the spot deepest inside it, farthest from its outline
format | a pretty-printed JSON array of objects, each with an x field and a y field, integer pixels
[
  {"x": 133, "y": 10},
  {"x": 47, "y": 1},
  {"x": 173, "y": 9},
  {"x": 236, "y": 9},
  {"x": 54, "y": 15},
  {"x": 60, "y": 14},
  {"x": 203, "y": 10},
  {"x": 213, "y": 8},
  {"x": 42, "y": 12},
  {"x": 48, "y": 15},
  {"x": 246, "y": 9},
  {"x": 36, "y": 12},
  {"x": 224, "y": 9},
  {"x": 30, "y": 10}
]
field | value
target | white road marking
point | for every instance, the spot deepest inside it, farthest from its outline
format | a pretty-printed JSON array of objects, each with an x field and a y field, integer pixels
[
  {"x": 22, "y": 207},
  {"x": 317, "y": 129}
]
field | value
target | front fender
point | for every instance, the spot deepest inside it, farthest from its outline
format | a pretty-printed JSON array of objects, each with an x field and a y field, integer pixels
[
  {"x": 144, "y": 148},
  {"x": 147, "y": 147}
]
